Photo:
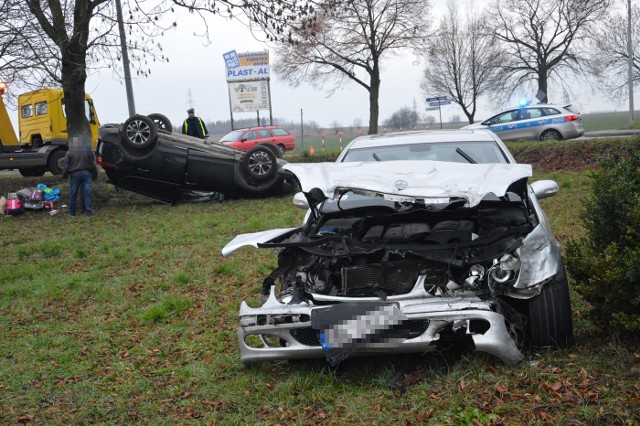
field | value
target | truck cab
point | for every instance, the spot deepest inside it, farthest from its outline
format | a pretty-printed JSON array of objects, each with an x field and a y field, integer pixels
[
  {"x": 42, "y": 132},
  {"x": 42, "y": 120}
]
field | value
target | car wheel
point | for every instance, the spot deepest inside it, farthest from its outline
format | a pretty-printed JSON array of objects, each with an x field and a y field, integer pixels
[
  {"x": 55, "y": 161},
  {"x": 273, "y": 148},
  {"x": 282, "y": 150},
  {"x": 139, "y": 132},
  {"x": 550, "y": 315},
  {"x": 33, "y": 172},
  {"x": 260, "y": 163},
  {"x": 550, "y": 135},
  {"x": 161, "y": 122}
]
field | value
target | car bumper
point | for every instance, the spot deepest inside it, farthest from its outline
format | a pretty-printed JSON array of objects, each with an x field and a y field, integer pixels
[{"x": 284, "y": 331}]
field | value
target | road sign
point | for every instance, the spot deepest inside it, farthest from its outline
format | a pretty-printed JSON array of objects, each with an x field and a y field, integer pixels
[
  {"x": 432, "y": 108},
  {"x": 439, "y": 98},
  {"x": 438, "y": 103}
]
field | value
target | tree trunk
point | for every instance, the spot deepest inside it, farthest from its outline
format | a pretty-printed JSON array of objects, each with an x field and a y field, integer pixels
[
  {"x": 374, "y": 107},
  {"x": 74, "y": 76},
  {"x": 543, "y": 82},
  {"x": 470, "y": 115}
]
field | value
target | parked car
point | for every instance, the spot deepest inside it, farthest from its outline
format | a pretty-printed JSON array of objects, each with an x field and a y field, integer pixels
[
  {"x": 411, "y": 242},
  {"x": 144, "y": 156},
  {"x": 535, "y": 122},
  {"x": 245, "y": 139}
]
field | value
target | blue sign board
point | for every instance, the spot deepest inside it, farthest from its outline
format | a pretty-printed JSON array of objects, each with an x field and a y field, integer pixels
[
  {"x": 439, "y": 98},
  {"x": 438, "y": 103}
]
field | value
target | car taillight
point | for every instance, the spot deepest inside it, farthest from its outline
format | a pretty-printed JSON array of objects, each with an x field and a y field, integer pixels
[
  {"x": 104, "y": 164},
  {"x": 571, "y": 117}
]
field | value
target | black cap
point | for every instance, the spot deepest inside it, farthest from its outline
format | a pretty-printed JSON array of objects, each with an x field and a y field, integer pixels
[{"x": 190, "y": 111}]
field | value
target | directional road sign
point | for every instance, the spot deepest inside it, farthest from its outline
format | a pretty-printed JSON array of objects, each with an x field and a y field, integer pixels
[
  {"x": 436, "y": 99},
  {"x": 438, "y": 103}
]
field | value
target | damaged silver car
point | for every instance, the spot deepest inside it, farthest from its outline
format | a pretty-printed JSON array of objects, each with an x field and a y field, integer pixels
[{"x": 412, "y": 242}]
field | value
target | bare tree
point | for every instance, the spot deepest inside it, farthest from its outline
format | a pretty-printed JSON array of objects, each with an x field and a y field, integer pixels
[
  {"x": 57, "y": 42},
  {"x": 349, "y": 40},
  {"x": 609, "y": 54},
  {"x": 404, "y": 118},
  {"x": 461, "y": 59},
  {"x": 542, "y": 39}
]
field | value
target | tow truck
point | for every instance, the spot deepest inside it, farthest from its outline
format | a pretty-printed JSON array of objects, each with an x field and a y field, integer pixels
[{"x": 43, "y": 138}]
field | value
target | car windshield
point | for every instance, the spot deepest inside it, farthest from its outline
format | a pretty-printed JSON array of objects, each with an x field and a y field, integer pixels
[
  {"x": 479, "y": 152},
  {"x": 233, "y": 136}
]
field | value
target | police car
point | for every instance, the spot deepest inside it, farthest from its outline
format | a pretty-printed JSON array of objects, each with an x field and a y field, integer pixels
[{"x": 535, "y": 122}]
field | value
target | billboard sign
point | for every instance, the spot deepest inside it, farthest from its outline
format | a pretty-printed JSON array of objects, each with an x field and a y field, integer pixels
[
  {"x": 248, "y": 96},
  {"x": 246, "y": 65}
]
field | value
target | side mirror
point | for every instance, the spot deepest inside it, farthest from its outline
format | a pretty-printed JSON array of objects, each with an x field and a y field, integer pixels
[
  {"x": 300, "y": 201},
  {"x": 545, "y": 188}
]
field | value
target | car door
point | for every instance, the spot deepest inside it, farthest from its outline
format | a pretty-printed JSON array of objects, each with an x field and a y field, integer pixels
[
  {"x": 505, "y": 124},
  {"x": 265, "y": 135},
  {"x": 532, "y": 123},
  {"x": 249, "y": 140}
]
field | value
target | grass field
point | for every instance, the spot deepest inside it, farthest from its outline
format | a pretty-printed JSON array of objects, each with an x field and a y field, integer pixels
[{"x": 130, "y": 316}]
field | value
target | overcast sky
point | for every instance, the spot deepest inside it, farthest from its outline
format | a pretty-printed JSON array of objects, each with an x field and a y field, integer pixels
[{"x": 197, "y": 66}]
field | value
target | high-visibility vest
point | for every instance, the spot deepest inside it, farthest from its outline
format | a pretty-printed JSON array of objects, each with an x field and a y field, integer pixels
[{"x": 186, "y": 126}]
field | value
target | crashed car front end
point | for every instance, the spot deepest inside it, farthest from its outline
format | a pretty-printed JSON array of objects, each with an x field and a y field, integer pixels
[{"x": 378, "y": 270}]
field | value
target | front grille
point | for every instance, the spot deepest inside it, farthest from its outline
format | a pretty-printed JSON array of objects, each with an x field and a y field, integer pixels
[
  {"x": 306, "y": 336},
  {"x": 390, "y": 278}
]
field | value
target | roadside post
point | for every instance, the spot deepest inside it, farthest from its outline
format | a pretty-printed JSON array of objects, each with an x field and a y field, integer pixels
[
  {"x": 438, "y": 102},
  {"x": 322, "y": 141},
  {"x": 340, "y": 141}
]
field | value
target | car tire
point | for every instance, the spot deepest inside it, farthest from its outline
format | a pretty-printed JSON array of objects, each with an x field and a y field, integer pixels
[
  {"x": 550, "y": 315},
  {"x": 162, "y": 122},
  {"x": 260, "y": 163},
  {"x": 282, "y": 150},
  {"x": 273, "y": 148},
  {"x": 139, "y": 132},
  {"x": 55, "y": 161},
  {"x": 550, "y": 135},
  {"x": 33, "y": 171}
]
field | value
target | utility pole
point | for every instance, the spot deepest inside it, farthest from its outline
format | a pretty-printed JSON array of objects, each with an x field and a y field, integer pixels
[
  {"x": 630, "y": 63},
  {"x": 125, "y": 61}
]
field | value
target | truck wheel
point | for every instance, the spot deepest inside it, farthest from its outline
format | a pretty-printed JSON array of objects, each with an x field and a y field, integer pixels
[
  {"x": 162, "y": 122},
  {"x": 54, "y": 163},
  {"x": 33, "y": 171},
  {"x": 550, "y": 315},
  {"x": 139, "y": 132},
  {"x": 260, "y": 163}
]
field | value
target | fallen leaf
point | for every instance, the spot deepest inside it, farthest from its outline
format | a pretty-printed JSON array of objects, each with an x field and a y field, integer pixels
[
  {"x": 461, "y": 385},
  {"x": 502, "y": 389}
]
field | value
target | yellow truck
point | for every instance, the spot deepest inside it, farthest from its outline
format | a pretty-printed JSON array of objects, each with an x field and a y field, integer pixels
[{"x": 43, "y": 138}]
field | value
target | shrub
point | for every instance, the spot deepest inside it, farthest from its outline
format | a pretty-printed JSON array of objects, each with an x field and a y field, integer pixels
[{"x": 606, "y": 262}]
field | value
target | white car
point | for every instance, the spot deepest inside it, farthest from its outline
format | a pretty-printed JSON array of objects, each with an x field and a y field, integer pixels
[
  {"x": 535, "y": 122},
  {"x": 412, "y": 241}
]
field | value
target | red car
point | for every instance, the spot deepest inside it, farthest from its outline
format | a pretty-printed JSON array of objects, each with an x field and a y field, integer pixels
[{"x": 245, "y": 139}]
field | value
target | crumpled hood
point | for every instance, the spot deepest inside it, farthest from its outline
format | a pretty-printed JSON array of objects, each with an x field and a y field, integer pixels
[{"x": 411, "y": 179}]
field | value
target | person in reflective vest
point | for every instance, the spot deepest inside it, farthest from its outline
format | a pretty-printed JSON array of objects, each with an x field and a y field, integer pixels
[{"x": 194, "y": 126}]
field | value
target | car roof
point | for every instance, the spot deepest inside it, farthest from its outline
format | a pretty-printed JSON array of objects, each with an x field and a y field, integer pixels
[
  {"x": 260, "y": 127},
  {"x": 423, "y": 136},
  {"x": 540, "y": 106}
]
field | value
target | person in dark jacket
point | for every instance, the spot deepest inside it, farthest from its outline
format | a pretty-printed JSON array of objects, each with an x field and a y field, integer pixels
[
  {"x": 194, "y": 126},
  {"x": 79, "y": 166}
]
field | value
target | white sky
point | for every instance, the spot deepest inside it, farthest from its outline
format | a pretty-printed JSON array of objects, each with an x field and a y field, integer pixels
[{"x": 200, "y": 68}]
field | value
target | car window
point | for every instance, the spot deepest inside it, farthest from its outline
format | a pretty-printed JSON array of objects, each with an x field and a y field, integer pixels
[
  {"x": 280, "y": 132},
  {"x": 480, "y": 152},
  {"x": 232, "y": 137},
  {"x": 264, "y": 133},
  {"x": 570, "y": 108},
  {"x": 505, "y": 117},
  {"x": 550, "y": 111},
  {"x": 532, "y": 113},
  {"x": 250, "y": 135}
]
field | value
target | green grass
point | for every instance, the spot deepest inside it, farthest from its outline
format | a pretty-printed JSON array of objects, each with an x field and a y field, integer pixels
[{"x": 130, "y": 317}]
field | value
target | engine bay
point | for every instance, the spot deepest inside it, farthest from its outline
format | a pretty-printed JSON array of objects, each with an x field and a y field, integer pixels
[{"x": 382, "y": 250}]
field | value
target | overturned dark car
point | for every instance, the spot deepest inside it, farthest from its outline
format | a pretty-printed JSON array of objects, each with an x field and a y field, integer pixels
[
  {"x": 443, "y": 244},
  {"x": 143, "y": 155}
]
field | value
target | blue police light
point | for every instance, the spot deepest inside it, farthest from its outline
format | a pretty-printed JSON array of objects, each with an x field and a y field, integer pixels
[{"x": 524, "y": 102}]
